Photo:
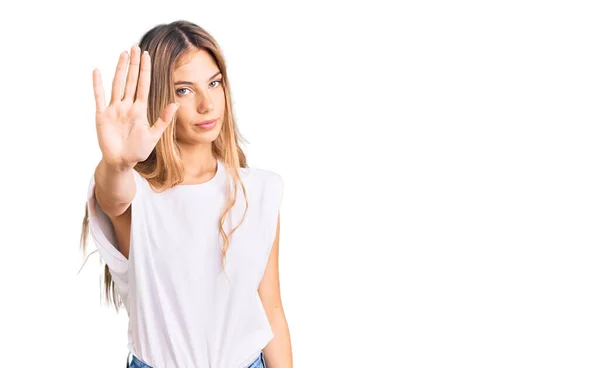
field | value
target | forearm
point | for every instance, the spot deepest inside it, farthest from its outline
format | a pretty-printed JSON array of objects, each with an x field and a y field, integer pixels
[
  {"x": 278, "y": 353},
  {"x": 115, "y": 187}
]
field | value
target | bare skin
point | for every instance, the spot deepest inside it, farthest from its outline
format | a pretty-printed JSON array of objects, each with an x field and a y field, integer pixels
[
  {"x": 200, "y": 94},
  {"x": 278, "y": 352}
]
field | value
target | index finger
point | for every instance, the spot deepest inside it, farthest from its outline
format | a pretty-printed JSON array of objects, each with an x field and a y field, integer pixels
[
  {"x": 143, "y": 86},
  {"x": 98, "y": 91}
]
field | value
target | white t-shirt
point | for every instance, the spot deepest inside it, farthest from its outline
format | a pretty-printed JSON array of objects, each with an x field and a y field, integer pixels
[{"x": 183, "y": 311}]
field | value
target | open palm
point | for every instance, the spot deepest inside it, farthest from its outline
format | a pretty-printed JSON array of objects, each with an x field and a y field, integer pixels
[{"x": 124, "y": 133}]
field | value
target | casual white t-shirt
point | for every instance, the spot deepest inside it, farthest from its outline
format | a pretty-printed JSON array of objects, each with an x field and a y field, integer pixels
[{"x": 183, "y": 310}]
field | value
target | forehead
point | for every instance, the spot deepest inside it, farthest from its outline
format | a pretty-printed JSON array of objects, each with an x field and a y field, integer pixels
[{"x": 196, "y": 62}]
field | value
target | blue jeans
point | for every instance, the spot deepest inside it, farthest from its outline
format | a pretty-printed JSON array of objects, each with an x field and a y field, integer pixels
[{"x": 136, "y": 363}]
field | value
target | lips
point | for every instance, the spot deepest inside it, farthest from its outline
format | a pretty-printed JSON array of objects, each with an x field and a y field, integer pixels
[{"x": 206, "y": 122}]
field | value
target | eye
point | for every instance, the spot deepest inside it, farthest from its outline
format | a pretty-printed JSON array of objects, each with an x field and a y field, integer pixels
[
  {"x": 216, "y": 81},
  {"x": 181, "y": 89}
]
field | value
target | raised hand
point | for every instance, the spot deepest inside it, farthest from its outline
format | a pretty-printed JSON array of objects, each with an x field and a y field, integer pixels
[{"x": 124, "y": 133}]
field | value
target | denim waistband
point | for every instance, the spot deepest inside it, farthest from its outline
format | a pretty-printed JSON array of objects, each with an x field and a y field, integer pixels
[{"x": 134, "y": 362}]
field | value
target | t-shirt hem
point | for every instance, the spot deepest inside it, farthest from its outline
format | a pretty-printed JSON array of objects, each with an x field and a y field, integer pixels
[{"x": 255, "y": 343}]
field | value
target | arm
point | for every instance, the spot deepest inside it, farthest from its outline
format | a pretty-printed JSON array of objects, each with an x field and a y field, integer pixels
[
  {"x": 114, "y": 191},
  {"x": 125, "y": 137},
  {"x": 124, "y": 134},
  {"x": 115, "y": 188},
  {"x": 278, "y": 353}
]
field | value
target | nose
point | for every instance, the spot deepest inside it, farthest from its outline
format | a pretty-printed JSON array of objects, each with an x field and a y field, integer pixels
[{"x": 205, "y": 105}]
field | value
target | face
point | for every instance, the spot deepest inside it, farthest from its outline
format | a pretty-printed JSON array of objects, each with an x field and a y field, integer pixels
[{"x": 201, "y": 98}]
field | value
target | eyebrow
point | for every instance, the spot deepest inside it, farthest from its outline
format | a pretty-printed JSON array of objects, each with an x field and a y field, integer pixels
[{"x": 191, "y": 83}]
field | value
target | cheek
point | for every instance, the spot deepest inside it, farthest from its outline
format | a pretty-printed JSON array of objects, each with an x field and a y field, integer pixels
[
  {"x": 183, "y": 114},
  {"x": 219, "y": 101},
  {"x": 180, "y": 122}
]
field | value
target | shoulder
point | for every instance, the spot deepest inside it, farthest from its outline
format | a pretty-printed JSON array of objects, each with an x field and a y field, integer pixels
[
  {"x": 265, "y": 189},
  {"x": 256, "y": 175},
  {"x": 263, "y": 182}
]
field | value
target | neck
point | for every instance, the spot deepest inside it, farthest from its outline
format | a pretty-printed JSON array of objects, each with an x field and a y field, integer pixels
[{"x": 198, "y": 161}]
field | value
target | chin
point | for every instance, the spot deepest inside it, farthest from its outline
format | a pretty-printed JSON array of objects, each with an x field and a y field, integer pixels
[
  {"x": 208, "y": 137},
  {"x": 211, "y": 135}
]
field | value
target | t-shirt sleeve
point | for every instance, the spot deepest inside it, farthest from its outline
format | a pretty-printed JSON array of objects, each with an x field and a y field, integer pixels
[{"x": 102, "y": 231}]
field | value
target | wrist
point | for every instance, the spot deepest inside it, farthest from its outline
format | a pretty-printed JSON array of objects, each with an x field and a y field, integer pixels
[{"x": 117, "y": 165}]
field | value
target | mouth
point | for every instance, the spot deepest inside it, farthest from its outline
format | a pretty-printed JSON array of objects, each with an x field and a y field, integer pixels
[{"x": 208, "y": 124}]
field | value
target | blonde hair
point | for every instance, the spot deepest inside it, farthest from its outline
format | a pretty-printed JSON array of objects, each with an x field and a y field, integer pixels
[{"x": 163, "y": 169}]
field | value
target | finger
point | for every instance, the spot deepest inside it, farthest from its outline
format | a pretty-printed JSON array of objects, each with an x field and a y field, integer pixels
[
  {"x": 117, "y": 86},
  {"x": 98, "y": 91},
  {"x": 143, "y": 86},
  {"x": 132, "y": 74},
  {"x": 165, "y": 119}
]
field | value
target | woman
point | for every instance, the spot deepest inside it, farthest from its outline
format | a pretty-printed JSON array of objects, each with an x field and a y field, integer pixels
[{"x": 189, "y": 233}]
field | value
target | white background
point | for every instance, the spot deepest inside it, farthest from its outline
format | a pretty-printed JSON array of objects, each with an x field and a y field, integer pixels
[{"x": 440, "y": 160}]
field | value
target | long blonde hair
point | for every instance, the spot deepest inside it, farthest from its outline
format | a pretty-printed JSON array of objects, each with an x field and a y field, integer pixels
[{"x": 163, "y": 169}]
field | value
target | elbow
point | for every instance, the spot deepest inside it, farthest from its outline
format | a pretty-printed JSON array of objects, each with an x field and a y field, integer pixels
[{"x": 110, "y": 208}]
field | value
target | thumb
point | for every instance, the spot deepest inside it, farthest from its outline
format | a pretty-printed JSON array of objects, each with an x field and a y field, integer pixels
[{"x": 165, "y": 119}]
